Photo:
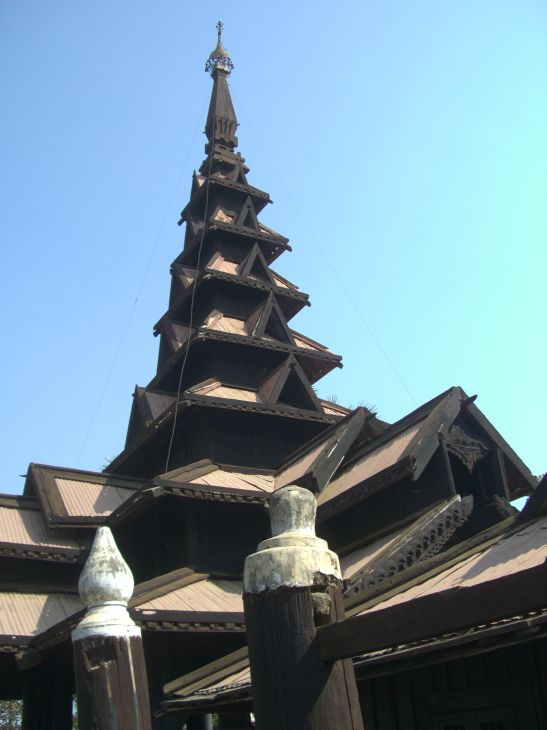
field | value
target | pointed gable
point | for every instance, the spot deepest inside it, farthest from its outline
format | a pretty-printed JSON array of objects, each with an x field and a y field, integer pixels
[
  {"x": 247, "y": 215},
  {"x": 254, "y": 266},
  {"x": 268, "y": 321},
  {"x": 288, "y": 385},
  {"x": 147, "y": 406}
]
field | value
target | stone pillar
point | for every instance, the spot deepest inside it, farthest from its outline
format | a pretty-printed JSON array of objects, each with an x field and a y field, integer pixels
[
  {"x": 292, "y": 585},
  {"x": 109, "y": 665}
]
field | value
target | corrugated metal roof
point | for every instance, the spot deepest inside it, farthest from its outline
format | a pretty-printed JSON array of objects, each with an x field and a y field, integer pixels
[
  {"x": 374, "y": 462},
  {"x": 217, "y": 390},
  {"x": 87, "y": 499},
  {"x": 520, "y": 551},
  {"x": 216, "y": 596},
  {"x": 27, "y": 527},
  {"x": 236, "y": 480},
  {"x": 28, "y": 614}
]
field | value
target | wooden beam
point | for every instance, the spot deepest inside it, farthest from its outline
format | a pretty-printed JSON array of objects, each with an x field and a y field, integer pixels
[{"x": 439, "y": 613}]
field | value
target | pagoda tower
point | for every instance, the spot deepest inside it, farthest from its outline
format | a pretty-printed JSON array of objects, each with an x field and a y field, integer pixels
[{"x": 234, "y": 382}]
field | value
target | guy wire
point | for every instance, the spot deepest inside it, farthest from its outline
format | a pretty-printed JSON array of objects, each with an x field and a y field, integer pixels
[{"x": 194, "y": 286}]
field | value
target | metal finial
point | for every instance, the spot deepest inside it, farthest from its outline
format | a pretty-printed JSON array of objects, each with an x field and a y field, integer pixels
[{"x": 219, "y": 60}]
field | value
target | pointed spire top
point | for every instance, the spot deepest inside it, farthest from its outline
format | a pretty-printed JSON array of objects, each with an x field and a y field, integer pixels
[{"x": 219, "y": 60}]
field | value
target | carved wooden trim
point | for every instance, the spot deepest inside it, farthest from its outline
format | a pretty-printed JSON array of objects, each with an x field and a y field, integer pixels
[
  {"x": 467, "y": 449},
  {"x": 425, "y": 538}
]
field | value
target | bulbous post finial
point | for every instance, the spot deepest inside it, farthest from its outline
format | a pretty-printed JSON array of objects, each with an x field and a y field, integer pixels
[
  {"x": 219, "y": 60},
  {"x": 293, "y": 556},
  {"x": 105, "y": 586}
]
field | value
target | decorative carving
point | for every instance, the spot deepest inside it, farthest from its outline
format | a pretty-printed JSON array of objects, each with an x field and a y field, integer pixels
[
  {"x": 219, "y": 60},
  {"x": 466, "y": 448},
  {"x": 425, "y": 538}
]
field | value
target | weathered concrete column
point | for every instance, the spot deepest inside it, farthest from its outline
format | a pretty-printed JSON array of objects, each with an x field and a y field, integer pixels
[
  {"x": 109, "y": 663},
  {"x": 292, "y": 585}
]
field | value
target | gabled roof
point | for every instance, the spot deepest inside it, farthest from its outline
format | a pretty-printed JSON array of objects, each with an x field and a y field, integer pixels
[
  {"x": 405, "y": 448},
  {"x": 313, "y": 465},
  {"x": 74, "y": 497},
  {"x": 202, "y": 480}
]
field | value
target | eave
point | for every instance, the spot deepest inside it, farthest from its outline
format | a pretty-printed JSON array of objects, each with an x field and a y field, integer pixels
[
  {"x": 290, "y": 301},
  {"x": 259, "y": 197},
  {"x": 189, "y": 402},
  {"x": 325, "y": 361},
  {"x": 275, "y": 244}
]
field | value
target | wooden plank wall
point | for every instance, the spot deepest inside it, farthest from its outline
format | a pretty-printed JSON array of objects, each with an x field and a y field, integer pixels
[{"x": 514, "y": 678}]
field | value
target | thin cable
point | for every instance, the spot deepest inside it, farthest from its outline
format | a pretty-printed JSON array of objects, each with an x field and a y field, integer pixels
[
  {"x": 139, "y": 290},
  {"x": 334, "y": 271},
  {"x": 194, "y": 286}
]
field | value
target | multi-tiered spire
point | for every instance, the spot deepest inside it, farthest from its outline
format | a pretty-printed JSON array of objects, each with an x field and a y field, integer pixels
[{"x": 234, "y": 381}]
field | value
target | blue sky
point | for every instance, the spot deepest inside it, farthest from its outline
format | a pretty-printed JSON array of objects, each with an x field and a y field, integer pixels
[{"x": 404, "y": 146}]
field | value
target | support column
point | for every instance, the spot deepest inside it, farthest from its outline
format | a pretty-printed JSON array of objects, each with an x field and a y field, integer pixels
[
  {"x": 47, "y": 695},
  {"x": 109, "y": 665},
  {"x": 292, "y": 585}
]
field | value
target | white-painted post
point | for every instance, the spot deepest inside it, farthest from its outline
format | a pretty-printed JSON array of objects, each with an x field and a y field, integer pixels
[
  {"x": 109, "y": 665},
  {"x": 291, "y": 586}
]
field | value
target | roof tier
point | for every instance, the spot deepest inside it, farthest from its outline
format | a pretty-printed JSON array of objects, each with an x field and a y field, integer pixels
[{"x": 225, "y": 343}]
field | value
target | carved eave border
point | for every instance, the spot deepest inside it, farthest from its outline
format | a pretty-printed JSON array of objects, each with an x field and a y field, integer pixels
[
  {"x": 421, "y": 540},
  {"x": 13, "y": 644},
  {"x": 189, "y": 622},
  {"x": 57, "y": 555},
  {"x": 259, "y": 408}
]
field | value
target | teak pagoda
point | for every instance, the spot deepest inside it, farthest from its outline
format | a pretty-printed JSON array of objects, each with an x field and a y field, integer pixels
[{"x": 231, "y": 415}]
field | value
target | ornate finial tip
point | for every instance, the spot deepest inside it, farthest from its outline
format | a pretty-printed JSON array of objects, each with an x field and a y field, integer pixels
[
  {"x": 219, "y": 60},
  {"x": 106, "y": 576}
]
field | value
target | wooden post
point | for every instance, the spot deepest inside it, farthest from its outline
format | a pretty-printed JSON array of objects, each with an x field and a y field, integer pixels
[
  {"x": 109, "y": 663},
  {"x": 47, "y": 694},
  {"x": 292, "y": 586}
]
